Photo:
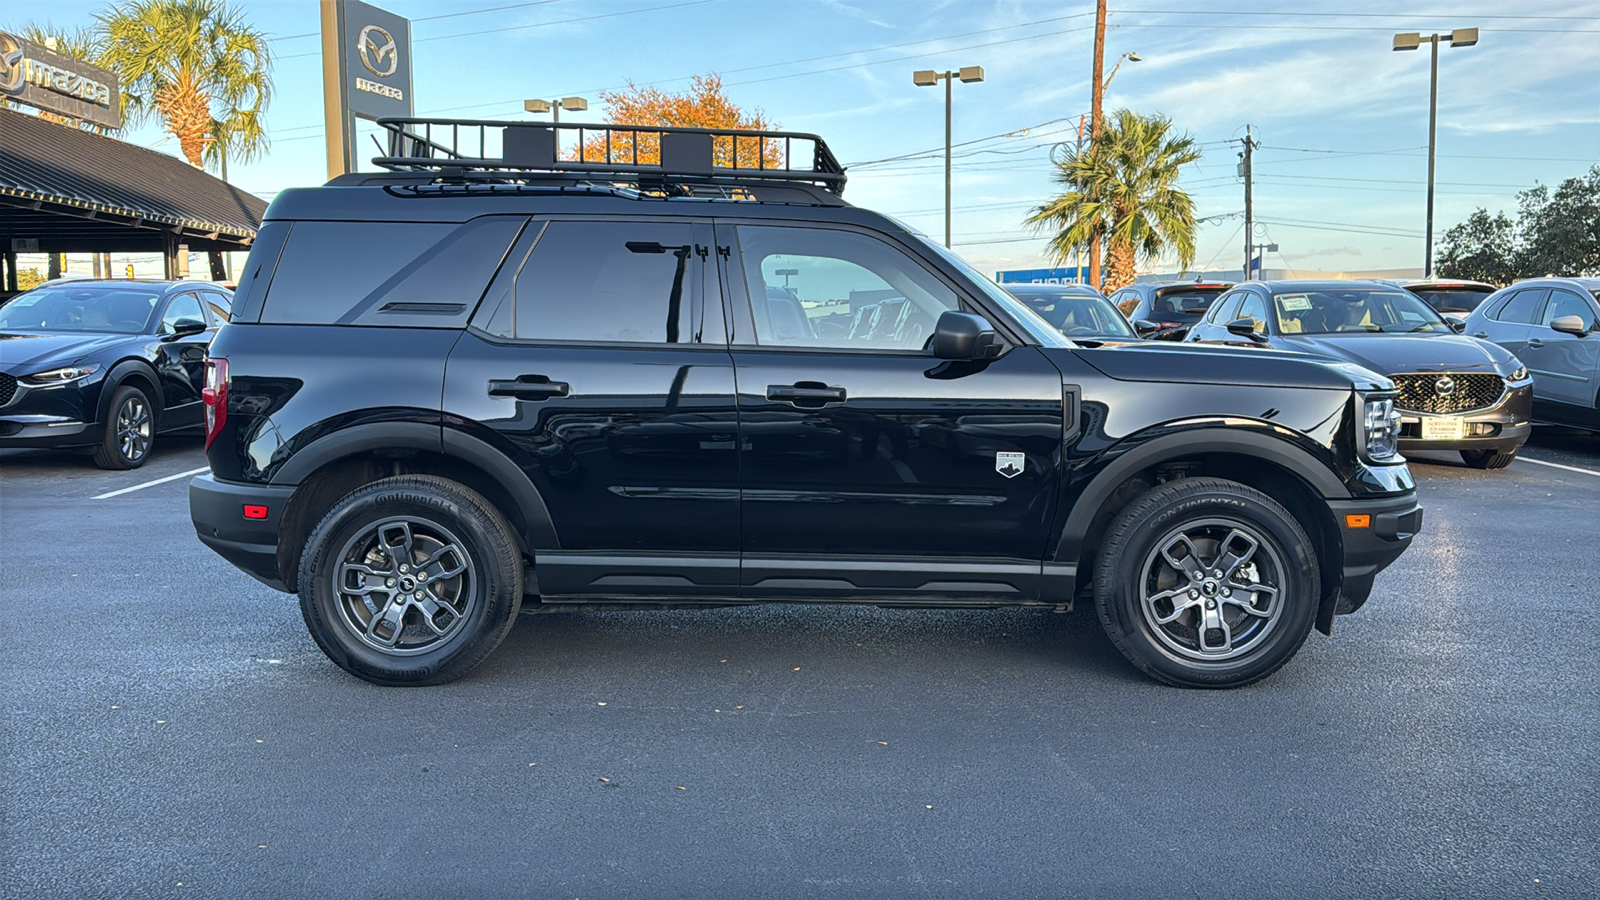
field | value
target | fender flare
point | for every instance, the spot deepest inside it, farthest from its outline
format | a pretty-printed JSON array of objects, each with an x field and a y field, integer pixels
[
  {"x": 430, "y": 438},
  {"x": 1137, "y": 452},
  {"x": 118, "y": 374}
]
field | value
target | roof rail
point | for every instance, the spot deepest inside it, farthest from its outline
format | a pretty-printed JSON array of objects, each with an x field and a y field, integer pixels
[{"x": 653, "y": 157}]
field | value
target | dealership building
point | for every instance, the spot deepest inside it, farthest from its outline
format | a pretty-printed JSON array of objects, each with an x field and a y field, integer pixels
[{"x": 66, "y": 188}]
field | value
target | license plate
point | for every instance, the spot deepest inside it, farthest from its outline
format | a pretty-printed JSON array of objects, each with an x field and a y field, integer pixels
[{"x": 1443, "y": 428}]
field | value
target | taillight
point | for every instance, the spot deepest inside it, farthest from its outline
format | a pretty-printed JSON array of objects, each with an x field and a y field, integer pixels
[{"x": 215, "y": 397}]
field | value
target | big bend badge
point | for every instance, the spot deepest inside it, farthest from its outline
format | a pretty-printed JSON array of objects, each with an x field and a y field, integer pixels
[{"x": 1009, "y": 464}]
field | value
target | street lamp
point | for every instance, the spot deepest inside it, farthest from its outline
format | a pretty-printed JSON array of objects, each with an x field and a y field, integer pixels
[
  {"x": 929, "y": 78},
  {"x": 570, "y": 104},
  {"x": 1461, "y": 37},
  {"x": 1130, "y": 56},
  {"x": 1264, "y": 249},
  {"x": 787, "y": 274}
]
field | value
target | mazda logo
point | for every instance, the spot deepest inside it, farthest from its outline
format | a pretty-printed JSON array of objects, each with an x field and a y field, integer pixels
[
  {"x": 1445, "y": 386},
  {"x": 376, "y": 46},
  {"x": 11, "y": 67}
]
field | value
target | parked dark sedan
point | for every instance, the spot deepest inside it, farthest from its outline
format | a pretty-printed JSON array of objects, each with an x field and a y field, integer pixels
[
  {"x": 1076, "y": 310},
  {"x": 1173, "y": 306},
  {"x": 105, "y": 365},
  {"x": 1456, "y": 392},
  {"x": 1552, "y": 325}
]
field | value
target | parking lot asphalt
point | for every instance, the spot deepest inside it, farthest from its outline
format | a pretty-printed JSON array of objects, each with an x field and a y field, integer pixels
[{"x": 170, "y": 730}]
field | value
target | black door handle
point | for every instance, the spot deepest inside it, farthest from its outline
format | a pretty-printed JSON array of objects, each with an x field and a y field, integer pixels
[
  {"x": 1535, "y": 344},
  {"x": 528, "y": 387},
  {"x": 808, "y": 394}
]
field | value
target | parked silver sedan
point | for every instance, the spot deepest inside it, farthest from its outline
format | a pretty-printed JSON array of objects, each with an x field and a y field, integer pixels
[{"x": 1553, "y": 326}]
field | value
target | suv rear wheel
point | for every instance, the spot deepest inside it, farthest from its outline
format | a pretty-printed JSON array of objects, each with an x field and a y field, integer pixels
[
  {"x": 1204, "y": 582},
  {"x": 410, "y": 580}
]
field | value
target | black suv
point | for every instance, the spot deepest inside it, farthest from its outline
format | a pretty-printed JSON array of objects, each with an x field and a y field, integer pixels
[{"x": 474, "y": 385}]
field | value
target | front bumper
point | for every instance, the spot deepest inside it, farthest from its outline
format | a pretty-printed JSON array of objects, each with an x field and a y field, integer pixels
[
  {"x": 64, "y": 415},
  {"x": 217, "y": 509},
  {"x": 1503, "y": 427},
  {"x": 1391, "y": 524},
  {"x": 47, "y": 431}
]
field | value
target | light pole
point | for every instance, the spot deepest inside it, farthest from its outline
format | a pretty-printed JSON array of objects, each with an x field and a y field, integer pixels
[
  {"x": 1461, "y": 37},
  {"x": 554, "y": 107},
  {"x": 929, "y": 78},
  {"x": 1250, "y": 265}
]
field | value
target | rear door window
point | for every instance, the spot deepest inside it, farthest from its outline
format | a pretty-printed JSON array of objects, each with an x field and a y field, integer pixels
[
  {"x": 612, "y": 282},
  {"x": 1523, "y": 307}
]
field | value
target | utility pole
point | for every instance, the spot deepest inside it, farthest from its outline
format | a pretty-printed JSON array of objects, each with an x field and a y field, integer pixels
[
  {"x": 1249, "y": 219},
  {"x": 1097, "y": 89}
]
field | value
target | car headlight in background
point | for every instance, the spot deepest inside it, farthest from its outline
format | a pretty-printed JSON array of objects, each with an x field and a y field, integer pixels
[
  {"x": 1382, "y": 425},
  {"x": 59, "y": 376},
  {"x": 1520, "y": 373}
]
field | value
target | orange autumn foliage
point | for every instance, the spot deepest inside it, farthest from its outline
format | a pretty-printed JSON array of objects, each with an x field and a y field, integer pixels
[{"x": 703, "y": 105}]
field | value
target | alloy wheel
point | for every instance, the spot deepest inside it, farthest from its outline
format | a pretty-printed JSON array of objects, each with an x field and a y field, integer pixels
[
  {"x": 405, "y": 585},
  {"x": 1212, "y": 590},
  {"x": 133, "y": 429}
]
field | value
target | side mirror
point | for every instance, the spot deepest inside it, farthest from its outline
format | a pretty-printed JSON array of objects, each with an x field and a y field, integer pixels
[
  {"x": 1572, "y": 325},
  {"x": 1246, "y": 328},
  {"x": 1456, "y": 325},
  {"x": 1144, "y": 327},
  {"x": 959, "y": 335},
  {"x": 184, "y": 328}
]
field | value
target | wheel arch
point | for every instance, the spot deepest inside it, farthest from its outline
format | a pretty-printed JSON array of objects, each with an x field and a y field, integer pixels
[
  {"x": 1289, "y": 473},
  {"x": 343, "y": 461},
  {"x": 137, "y": 373}
]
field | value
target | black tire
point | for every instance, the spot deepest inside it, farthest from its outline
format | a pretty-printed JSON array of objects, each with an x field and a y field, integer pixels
[
  {"x": 1488, "y": 459},
  {"x": 1133, "y": 575},
  {"x": 350, "y": 580},
  {"x": 130, "y": 430}
]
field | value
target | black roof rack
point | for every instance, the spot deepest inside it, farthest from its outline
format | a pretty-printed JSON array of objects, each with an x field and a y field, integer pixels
[{"x": 672, "y": 160}]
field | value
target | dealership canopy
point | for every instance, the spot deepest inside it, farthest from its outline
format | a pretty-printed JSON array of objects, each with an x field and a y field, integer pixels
[{"x": 65, "y": 190}]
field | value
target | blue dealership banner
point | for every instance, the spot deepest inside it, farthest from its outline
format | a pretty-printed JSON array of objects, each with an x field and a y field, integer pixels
[{"x": 1061, "y": 275}]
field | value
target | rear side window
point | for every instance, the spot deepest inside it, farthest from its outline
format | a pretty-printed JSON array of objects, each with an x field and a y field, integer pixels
[
  {"x": 606, "y": 282},
  {"x": 420, "y": 275},
  {"x": 1523, "y": 308}
]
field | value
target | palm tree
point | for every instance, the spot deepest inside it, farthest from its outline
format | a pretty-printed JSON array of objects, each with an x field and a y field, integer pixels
[
  {"x": 197, "y": 65},
  {"x": 1123, "y": 190}
]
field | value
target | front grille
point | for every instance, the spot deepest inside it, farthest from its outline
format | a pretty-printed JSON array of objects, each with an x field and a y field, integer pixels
[
  {"x": 8, "y": 388},
  {"x": 1447, "y": 392}
]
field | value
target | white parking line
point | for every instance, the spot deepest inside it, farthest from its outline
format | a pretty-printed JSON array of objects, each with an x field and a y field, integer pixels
[
  {"x": 1558, "y": 466},
  {"x": 139, "y": 487}
]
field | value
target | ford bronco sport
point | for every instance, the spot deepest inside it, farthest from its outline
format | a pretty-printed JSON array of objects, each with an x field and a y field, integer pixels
[{"x": 662, "y": 373}]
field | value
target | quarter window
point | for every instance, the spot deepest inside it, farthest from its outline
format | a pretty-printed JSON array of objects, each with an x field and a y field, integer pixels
[
  {"x": 1523, "y": 307},
  {"x": 811, "y": 287}
]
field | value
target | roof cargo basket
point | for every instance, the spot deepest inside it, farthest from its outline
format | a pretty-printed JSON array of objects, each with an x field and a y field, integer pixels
[{"x": 653, "y": 157}]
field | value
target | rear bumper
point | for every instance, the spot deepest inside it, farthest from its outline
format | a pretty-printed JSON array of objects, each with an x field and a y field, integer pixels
[
  {"x": 1392, "y": 523},
  {"x": 217, "y": 509}
]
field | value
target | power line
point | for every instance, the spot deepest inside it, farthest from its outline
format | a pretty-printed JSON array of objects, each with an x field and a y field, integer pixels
[
  {"x": 1238, "y": 27},
  {"x": 1231, "y": 12},
  {"x": 470, "y": 12},
  {"x": 445, "y": 37}
]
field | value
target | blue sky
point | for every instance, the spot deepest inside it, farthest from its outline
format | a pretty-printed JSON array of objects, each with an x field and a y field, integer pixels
[{"x": 1342, "y": 120}]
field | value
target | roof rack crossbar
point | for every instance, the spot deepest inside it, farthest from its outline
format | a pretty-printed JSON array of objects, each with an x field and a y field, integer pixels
[{"x": 638, "y": 153}]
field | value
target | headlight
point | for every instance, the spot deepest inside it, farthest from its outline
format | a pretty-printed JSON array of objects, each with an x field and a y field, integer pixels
[
  {"x": 1518, "y": 374},
  {"x": 1382, "y": 425},
  {"x": 59, "y": 376}
]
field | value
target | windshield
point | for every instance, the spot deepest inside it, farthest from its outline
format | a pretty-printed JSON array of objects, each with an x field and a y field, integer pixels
[
  {"x": 1076, "y": 314},
  {"x": 98, "y": 308},
  {"x": 1355, "y": 310},
  {"x": 1028, "y": 320},
  {"x": 1453, "y": 300}
]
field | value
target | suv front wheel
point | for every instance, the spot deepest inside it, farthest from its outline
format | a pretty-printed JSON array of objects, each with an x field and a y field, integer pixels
[
  {"x": 1204, "y": 582},
  {"x": 410, "y": 580}
]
